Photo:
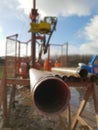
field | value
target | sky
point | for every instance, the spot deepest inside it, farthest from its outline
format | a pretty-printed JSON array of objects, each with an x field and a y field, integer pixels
[{"x": 77, "y": 22}]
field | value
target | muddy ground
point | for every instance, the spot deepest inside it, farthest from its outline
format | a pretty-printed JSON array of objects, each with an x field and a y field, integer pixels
[{"x": 23, "y": 115}]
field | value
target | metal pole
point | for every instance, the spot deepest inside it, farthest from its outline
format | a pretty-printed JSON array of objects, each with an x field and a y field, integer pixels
[
  {"x": 66, "y": 53},
  {"x": 33, "y": 41},
  {"x": 49, "y": 53},
  {"x": 34, "y": 4},
  {"x": 61, "y": 55}
]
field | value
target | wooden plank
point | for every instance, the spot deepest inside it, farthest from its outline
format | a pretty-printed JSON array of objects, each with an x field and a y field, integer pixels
[
  {"x": 95, "y": 97},
  {"x": 68, "y": 115},
  {"x": 12, "y": 97},
  {"x": 16, "y": 81},
  {"x": 82, "y": 106},
  {"x": 87, "y": 115},
  {"x": 4, "y": 95},
  {"x": 84, "y": 123}
]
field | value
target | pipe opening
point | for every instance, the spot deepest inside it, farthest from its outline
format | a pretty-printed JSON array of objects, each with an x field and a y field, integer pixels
[
  {"x": 51, "y": 96},
  {"x": 83, "y": 73}
]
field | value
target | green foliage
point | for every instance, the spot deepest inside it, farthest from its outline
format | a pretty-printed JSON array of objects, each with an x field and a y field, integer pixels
[
  {"x": 1, "y": 71},
  {"x": 2, "y": 60}
]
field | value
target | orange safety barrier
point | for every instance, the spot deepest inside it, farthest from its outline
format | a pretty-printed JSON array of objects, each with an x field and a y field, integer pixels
[
  {"x": 47, "y": 65},
  {"x": 57, "y": 64}
]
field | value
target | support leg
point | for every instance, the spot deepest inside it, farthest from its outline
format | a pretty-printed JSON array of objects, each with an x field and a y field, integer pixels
[
  {"x": 12, "y": 97},
  {"x": 4, "y": 96},
  {"x": 82, "y": 106},
  {"x": 95, "y": 97},
  {"x": 69, "y": 116}
]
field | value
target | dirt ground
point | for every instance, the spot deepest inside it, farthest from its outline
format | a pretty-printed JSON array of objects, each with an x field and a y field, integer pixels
[{"x": 23, "y": 115}]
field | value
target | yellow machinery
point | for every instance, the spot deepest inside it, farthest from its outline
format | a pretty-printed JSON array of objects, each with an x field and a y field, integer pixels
[
  {"x": 42, "y": 27},
  {"x": 45, "y": 29}
]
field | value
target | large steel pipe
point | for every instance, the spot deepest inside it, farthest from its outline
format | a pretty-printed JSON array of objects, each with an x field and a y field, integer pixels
[
  {"x": 68, "y": 71},
  {"x": 49, "y": 93}
]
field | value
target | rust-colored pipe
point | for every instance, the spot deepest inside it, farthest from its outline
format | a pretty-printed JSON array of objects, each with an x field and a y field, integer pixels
[{"x": 49, "y": 93}]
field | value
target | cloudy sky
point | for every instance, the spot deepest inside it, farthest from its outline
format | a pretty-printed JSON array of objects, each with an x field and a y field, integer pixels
[{"x": 77, "y": 22}]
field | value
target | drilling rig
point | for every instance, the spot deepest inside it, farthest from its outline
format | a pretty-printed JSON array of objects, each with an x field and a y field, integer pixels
[
  {"x": 49, "y": 93},
  {"x": 40, "y": 30}
]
